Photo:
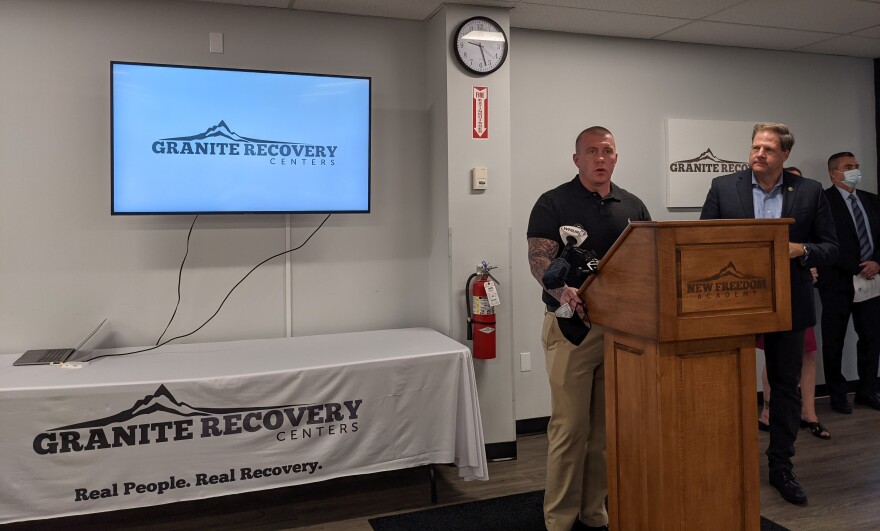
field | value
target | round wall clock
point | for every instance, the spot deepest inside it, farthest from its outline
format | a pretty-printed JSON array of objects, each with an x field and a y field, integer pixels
[{"x": 480, "y": 45}]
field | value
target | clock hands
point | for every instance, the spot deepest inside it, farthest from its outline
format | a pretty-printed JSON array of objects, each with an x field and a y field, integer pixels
[{"x": 480, "y": 46}]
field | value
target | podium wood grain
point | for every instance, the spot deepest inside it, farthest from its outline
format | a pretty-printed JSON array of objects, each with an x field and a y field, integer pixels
[{"x": 682, "y": 302}]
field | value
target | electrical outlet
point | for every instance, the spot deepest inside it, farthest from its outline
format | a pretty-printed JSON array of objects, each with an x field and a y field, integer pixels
[
  {"x": 215, "y": 42},
  {"x": 525, "y": 361}
]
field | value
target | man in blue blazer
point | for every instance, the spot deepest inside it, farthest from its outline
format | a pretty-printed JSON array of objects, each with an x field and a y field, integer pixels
[
  {"x": 857, "y": 221},
  {"x": 766, "y": 191}
]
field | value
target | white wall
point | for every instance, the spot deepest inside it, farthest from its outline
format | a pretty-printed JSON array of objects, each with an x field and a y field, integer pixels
[
  {"x": 562, "y": 83},
  {"x": 66, "y": 263},
  {"x": 478, "y": 221}
]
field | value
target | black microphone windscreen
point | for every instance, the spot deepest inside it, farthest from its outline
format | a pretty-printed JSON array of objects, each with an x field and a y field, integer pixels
[{"x": 555, "y": 275}]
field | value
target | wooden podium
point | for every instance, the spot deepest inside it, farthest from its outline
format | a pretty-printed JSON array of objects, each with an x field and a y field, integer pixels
[{"x": 682, "y": 302}]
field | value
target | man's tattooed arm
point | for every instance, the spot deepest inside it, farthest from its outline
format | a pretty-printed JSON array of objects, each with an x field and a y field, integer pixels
[{"x": 541, "y": 253}]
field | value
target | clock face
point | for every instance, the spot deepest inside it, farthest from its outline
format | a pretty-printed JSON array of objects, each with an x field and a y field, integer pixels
[{"x": 480, "y": 45}]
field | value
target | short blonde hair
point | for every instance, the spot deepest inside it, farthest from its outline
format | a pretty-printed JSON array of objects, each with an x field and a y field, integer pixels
[{"x": 786, "y": 139}]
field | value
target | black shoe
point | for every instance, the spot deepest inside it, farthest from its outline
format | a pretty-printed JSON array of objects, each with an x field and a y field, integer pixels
[
  {"x": 841, "y": 406},
  {"x": 816, "y": 429},
  {"x": 868, "y": 400},
  {"x": 785, "y": 483},
  {"x": 580, "y": 526}
]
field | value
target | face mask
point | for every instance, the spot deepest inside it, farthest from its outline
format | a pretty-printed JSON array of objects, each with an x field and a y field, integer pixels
[
  {"x": 573, "y": 328},
  {"x": 852, "y": 178}
]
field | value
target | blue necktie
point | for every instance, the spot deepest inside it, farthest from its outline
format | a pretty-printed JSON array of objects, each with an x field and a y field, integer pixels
[{"x": 861, "y": 228}]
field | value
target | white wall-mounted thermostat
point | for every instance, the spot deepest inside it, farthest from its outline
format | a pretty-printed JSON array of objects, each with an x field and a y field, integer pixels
[{"x": 480, "y": 178}]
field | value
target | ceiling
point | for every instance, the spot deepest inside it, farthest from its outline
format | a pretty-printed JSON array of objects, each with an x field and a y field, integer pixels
[{"x": 837, "y": 27}]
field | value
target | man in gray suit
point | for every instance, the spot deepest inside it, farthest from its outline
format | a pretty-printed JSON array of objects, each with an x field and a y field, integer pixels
[{"x": 766, "y": 191}]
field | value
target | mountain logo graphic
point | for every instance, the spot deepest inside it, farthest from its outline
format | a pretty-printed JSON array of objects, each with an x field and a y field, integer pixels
[
  {"x": 707, "y": 162},
  {"x": 162, "y": 400},
  {"x": 223, "y": 130},
  {"x": 729, "y": 270},
  {"x": 727, "y": 280},
  {"x": 221, "y": 140}
]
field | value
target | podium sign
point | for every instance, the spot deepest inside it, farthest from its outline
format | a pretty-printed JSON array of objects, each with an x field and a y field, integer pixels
[
  {"x": 740, "y": 283},
  {"x": 682, "y": 302}
]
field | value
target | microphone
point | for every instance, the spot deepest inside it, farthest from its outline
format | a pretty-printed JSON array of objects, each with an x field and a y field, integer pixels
[
  {"x": 555, "y": 275},
  {"x": 573, "y": 328},
  {"x": 574, "y": 235}
]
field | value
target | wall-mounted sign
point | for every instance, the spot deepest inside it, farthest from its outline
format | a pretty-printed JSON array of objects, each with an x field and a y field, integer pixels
[
  {"x": 480, "y": 109},
  {"x": 699, "y": 150}
]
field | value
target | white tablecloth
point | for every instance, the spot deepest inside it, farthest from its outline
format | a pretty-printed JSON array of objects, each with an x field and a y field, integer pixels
[{"x": 193, "y": 421}]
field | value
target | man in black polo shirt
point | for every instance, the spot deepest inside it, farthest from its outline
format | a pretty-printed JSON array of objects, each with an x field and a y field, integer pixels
[{"x": 576, "y": 464}]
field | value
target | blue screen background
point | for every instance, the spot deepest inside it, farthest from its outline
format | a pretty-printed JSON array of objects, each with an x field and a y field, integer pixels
[{"x": 152, "y": 103}]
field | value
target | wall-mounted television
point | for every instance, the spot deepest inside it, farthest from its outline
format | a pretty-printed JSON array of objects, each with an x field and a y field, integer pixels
[{"x": 197, "y": 140}]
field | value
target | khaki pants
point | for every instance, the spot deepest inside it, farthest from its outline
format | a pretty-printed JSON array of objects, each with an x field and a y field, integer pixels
[{"x": 577, "y": 481}]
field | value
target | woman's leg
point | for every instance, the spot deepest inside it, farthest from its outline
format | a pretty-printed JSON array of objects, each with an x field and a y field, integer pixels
[
  {"x": 808, "y": 387},
  {"x": 808, "y": 391}
]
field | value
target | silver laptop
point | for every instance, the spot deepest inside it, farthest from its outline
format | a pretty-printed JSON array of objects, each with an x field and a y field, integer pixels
[{"x": 54, "y": 355}]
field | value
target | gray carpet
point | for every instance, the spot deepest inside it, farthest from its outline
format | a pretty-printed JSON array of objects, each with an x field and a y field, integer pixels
[{"x": 518, "y": 512}]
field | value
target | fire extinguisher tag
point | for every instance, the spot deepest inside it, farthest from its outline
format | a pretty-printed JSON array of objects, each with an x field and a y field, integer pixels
[
  {"x": 492, "y": 294},
  {"x": 481, "y": 306}
]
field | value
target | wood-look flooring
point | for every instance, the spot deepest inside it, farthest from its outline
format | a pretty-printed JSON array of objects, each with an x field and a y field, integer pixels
[{"x": 841, "y": 477}]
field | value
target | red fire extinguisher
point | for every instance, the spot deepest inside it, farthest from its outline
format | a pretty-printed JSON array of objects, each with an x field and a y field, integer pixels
[{"x": 481, "y": 300}]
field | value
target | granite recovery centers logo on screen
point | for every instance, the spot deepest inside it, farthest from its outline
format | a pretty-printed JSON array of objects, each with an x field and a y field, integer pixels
[{"x": 221, "y": 141}]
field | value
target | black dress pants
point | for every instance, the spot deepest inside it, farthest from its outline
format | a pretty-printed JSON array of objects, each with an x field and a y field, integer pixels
[
  {"x": 784, "y": 354},
  {"x": 836, "y": 310}
]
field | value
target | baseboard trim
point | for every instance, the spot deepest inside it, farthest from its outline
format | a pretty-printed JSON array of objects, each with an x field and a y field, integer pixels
[
  {"x": 502, "y": 451},
  {"x": 532, "y": 426},
  {"x": 539, "y": 424}
]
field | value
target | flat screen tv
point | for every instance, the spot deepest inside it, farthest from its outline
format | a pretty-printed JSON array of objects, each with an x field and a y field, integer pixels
[{"x": 196, "y": 140}]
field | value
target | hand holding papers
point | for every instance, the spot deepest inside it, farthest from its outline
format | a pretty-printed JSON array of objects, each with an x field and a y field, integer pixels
[{"x": 865, "y": 289}]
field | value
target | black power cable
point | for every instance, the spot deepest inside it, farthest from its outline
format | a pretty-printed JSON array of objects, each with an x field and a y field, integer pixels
[
  {"x": 300, "y": 246},
  {"x": 179, "y": 279}
]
